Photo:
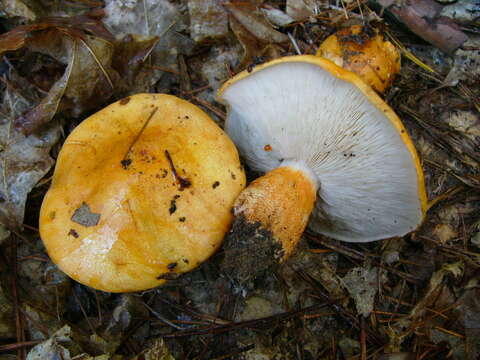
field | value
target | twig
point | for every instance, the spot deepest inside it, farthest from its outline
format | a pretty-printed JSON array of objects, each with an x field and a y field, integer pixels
[
  {"x": 19, "y": 345},
  {"x": 145, "y": 14},
  {"x": 19, "y": 329},
  {"x": 221, "y": 114},
  {"x": 244, "y": 324},
  {"x": 190, "y": 311},
  {"x": 363, "y": 339},
  {"x": 125, "y": 157},
  {"x": 236, "y": 352},
  {"x": 294, "y": 43},
  {"x": 357, "y": 255},
  {"x": 162, "y": 318},
  {"x": 347, "y": 316},
  {"x": 83, "y": 312},
  {"x": 354, "y": 254},
  {"x": 449, "y": 332},
  {"x": 99, "y": 309}
]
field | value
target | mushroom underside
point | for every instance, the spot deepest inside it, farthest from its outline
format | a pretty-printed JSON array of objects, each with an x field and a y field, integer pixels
[{"x": 370, "y": 182}]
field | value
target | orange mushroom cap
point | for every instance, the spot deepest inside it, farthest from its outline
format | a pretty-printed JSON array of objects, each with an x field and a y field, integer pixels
[
  {"x": 366, "y": 53},
  {"x": 142, "y": 191}
]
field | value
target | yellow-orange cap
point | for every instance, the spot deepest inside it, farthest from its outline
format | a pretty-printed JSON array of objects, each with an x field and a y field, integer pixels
[{"x": 142, "y": 191}]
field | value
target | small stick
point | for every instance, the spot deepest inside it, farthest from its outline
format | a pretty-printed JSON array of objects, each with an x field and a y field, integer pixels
[
  {"x": 19, "y": 345},
  {"x": 161, "y": 318},
  {"x": 182, "y": 182},
  {"x": 92, "y": 329},
  {"x": 124, "y": 161},
  {"x": 363, "y": 339}
]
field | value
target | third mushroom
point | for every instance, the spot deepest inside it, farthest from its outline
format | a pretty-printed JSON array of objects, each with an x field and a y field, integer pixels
[{"x": 335, "y": 156}]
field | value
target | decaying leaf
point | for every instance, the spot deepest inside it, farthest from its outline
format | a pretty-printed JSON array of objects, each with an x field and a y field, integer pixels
[
  {"x": 465, "y": 12},
  {"x": 23, "y": 160},
  {"x": 57, "y": 347},
  {"x": 465, "y": 122},
  {"x": 435, "y": 288},
  {"x": 258, "y": 307},
  {"x": 276, "y": 16},
  {"x": 470, "y": 317},
  {"x": 127, "y": 310},
  {"x": 148, "y": 18},
  {"x": 475, "y": 239},
  {"x": 143, "y": 21},
  {"x": 48, "y": 287},
  {"x": 362, "y": 284},
  {"x": 76, "y": 26},
  {"x": 327, "y": 276},
  {"x": 302, "y": 9},
  {"x": 80, "y": 42},
  {"x": 158, "y": 351},
  {"x": 208, "y": 20},
  {"x": 48, "y": 106},
  {"x": 92, "y": 78},
  {"x": 7, "y": 329},
  {"x": 253, "y": 20},
  {"x": 213, "y": 67},
  {"x": 131, "y": 52},
  {"x": 444, "y": 233},
  {"x": 4, "y": 233},
  {"x": 349, "y": 347},
  {"x": 66, "y": 344},
  {"x": 50, "y": 324},
  {"x": 466, "y": 65},
  {"x": 255, "y": 51},
  {"x": 20, "y": 8}
]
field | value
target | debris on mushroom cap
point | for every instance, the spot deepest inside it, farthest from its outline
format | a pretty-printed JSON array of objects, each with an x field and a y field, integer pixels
[
  {"x": 364, "y": 52},
  {"x": 131, "y": 202},
  {"x": 324, "y": 121}
]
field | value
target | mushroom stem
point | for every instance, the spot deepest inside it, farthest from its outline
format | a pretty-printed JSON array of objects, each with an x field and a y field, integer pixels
[{"x": 270, "y": 217}]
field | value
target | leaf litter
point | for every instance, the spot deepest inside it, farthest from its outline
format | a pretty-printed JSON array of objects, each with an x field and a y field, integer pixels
[{"x": 410, "y": 298}]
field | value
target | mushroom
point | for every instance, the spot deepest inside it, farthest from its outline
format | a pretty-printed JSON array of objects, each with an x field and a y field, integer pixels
[
  {"x": 365, "y": 52},
  {"x": 327, "y": 143},
  {"x": 142, "y": 192}
]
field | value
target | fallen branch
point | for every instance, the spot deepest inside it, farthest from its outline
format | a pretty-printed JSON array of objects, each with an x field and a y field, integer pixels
[{"x": 423, "y": 18}]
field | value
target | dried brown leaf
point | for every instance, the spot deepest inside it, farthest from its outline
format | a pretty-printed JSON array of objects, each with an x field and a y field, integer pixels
[
  {"x": 362, "y": 284},
  {"x": 208, "y": 20},
  {"x": 302, "y": 9},
  {"x": 158, "y": 351},
  {"x": 435, "y": 288},
  {"x": 161, "y": 18},
  {"x": 252, "y": 47},
  {"x": 20, "y": 8},
  {"x": 91, "y": 81},
  {"x": 23, "y": 160},
  {"x": 85, "y": 45},
  {"x": 48, "y": 106},
  {"x": 130, "y": 54},
  {"x": 7, "y": 329},
  {"x": 254, "y": 21},
  {"x": 76, "y": 26}
]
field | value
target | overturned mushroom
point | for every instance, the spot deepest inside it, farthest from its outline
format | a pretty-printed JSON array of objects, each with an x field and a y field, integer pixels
[
  {"x": 132, "y": 201},
  {"x": 328, "y": 143}
]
